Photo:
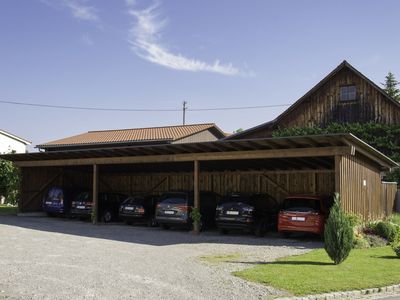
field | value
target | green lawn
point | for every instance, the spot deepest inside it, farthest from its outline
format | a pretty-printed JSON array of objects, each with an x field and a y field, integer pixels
[
  {"x": 8, "y": 210},
  {"x": 314, "y": 272}
]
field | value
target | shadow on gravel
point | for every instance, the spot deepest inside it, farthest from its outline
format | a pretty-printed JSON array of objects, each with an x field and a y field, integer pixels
[{"x": 151, "y": 236}]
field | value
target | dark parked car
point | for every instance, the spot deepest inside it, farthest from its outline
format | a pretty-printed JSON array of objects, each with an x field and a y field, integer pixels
[
  {"x": 139, "y": 209},
  {"x": 174, "y": 209},
  {"x": 255, "y": 212},
  {"x": 57, "y": 201},
  {"x": 108, "y": 205},
  {"x": 304, "y": 213}
]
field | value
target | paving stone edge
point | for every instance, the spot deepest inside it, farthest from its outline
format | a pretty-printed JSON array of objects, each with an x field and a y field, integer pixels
[{"x": 347, "y": 294}]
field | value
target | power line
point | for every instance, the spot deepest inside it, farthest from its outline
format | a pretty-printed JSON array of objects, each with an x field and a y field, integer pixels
[{"x": 139, "y": 109}]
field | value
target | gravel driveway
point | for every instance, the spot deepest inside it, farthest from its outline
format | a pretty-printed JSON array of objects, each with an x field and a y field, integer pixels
[{"x": 46, "y": 258}]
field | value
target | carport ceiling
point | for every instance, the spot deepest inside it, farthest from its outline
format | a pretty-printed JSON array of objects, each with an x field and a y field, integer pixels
[{"x": 301, "y": 152}]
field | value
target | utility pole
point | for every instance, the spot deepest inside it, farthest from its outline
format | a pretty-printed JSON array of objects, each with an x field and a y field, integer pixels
[{"x": 184, "y": 108}]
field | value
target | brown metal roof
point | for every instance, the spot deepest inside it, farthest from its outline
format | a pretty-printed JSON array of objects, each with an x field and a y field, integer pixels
[
  {"x": 207, "y": 149},
  {"x": 150, "y": 134}
]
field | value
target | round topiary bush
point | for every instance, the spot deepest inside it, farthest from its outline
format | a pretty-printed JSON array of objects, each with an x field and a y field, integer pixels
[
  {"x": 387, "y": 230},
  {"x": 338, "y": 233},
  {"x": 396, "y": 248}
]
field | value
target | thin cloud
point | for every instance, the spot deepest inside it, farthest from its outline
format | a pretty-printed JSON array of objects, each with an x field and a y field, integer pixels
[
  {"x": 144, "y": 37},
  {"x": 78, "y": 8}
]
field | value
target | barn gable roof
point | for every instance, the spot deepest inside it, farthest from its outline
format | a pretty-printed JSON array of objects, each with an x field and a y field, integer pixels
[{"x": 339, "y": 68}]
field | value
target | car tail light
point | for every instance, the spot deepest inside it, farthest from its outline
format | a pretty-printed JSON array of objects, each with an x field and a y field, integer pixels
[
  {"x": 182, "y": 208},
  {"x": 140, "y": 210}
]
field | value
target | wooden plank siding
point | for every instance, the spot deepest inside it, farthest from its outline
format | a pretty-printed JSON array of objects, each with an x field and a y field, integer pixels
[
  {"x": 361, "y": 189},
  {"x": 310, "y": 182},
  {"x": 323, "y": 106}
]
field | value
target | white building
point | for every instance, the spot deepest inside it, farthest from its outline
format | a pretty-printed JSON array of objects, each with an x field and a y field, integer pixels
[{"x": 11, "y": 143}]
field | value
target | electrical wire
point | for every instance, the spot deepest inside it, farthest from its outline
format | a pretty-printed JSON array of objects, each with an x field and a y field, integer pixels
[{"x": 139, "y": 109}]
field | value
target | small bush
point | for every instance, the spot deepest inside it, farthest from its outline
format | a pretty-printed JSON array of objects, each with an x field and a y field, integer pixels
[
  {"x": 395, "y": 218},
  {"x": 375, "y": 241},
  {"x": 359, "y": 242},
  {"x": 387, "y": 230},
  {"x": 355, "y": 219},
  {"x": 396, "y": 248},
  {"x": 338, "y": 233}
]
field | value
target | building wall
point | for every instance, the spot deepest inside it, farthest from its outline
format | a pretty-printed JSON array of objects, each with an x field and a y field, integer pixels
[
  {"x": 8, "y": 145},
  {"x": 361, "y": 190},
  {"x": 324, "y": 106},
  {"x": 277, "y": 184},
  {"x": 204, "y": 136}
]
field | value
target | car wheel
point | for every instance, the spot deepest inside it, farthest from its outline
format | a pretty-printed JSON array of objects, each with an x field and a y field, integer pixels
[
  {"x": 107, "y": 216},
  {"x": 165, "y": 226},
  {"x": 223, "y": 231}
]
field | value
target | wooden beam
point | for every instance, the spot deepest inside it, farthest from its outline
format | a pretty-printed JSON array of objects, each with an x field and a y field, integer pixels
[
  {"x": 210, "y": 156},
  {"x": 338, "y": 160},
  {"x": 95, "y": 193},
  {"x": 196, "y": 188}
]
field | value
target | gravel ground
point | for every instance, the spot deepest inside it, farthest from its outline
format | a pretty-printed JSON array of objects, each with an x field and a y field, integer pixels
[{"x": 46, "y": 258}]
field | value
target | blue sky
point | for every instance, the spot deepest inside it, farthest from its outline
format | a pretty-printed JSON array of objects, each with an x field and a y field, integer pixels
[{"x": 155, "y": 54}]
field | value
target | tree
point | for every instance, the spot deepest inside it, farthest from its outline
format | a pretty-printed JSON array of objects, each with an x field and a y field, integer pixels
[
  {"x": 9, "y": 181},
  {"x": 338, "y": 233},
  {"x": 390, "y": 86}
]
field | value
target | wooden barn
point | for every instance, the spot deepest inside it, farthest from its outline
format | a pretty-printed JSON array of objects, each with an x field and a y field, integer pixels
[
  {"x": 278, "y": 166},
  {"x": 344, "y": 96}
]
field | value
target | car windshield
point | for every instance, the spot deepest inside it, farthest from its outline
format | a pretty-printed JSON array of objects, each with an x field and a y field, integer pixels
[
  {"x": 236, "y": 199},
  {"x": 133, "y": 201},
  {"x": 55, "y": 194},
  {"x": 84, "y": 197},
  {"x": 302, "y": 205},
  {"x": 174, "y": 200}
]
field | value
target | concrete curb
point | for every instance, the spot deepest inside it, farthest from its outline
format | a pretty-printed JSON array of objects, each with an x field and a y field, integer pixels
[{"x": 348, "y": 294}]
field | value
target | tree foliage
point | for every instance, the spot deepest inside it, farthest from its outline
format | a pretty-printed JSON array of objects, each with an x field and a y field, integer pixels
[
  {"x": 385, "y": 138},
  {"x": 390, "y": 86},
  {"x": 338, "y": 233},
  {"x": 9, "y": 181}
]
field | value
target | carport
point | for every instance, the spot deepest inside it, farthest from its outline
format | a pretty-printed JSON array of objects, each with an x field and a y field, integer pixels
[{"x": 319, "y": 164}]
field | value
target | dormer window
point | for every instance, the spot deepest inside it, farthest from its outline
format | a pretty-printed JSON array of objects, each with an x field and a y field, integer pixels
[{"x": 348, "y": 93}]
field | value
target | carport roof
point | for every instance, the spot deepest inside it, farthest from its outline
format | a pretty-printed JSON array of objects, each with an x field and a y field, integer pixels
[{"x": 277, "y": 146}]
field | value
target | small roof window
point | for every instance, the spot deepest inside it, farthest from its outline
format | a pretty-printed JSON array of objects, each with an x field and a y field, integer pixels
[{"x": 348, "y": 93}]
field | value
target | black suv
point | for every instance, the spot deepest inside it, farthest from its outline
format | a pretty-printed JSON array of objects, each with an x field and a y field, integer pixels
[
  {"x": 108, "y": 205},
  {"x": 255, "y": 212},
  {"x": 174, "y": 209},
  {"x": 139, "y": 209}
]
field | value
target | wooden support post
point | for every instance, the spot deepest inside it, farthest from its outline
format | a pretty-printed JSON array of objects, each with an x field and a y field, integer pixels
[
  {"x": 338, "y": 161},
  {"x": 95, "y": 193},
  {"x": 196, "y": 176}
]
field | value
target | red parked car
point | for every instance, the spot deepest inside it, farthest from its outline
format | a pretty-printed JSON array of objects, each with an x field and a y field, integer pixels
[{"x": 304, "y": 213}]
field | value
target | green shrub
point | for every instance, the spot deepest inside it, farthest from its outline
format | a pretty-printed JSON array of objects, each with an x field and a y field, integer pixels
[
  {"x": 395, "y": 218},
  {"x": 359, "y": 242},
  {"x": 375, "y": 241},
  {"x": 338, "y": 234},
  {"x": 355, "y": 219},
  {"x": 396, "y": 248},
  {"x": 387, "y": 230}
]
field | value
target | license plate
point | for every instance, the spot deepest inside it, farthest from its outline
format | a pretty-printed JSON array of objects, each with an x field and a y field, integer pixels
[
  {"x": 232, "y": 212},
  {"x": 128, "y": 208},
  {"x": 301, "y": 219},
  {"x": 169, "y": 212},
  {"x": 48, "y": 202},
  {"x": 80, "y": 207}
]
